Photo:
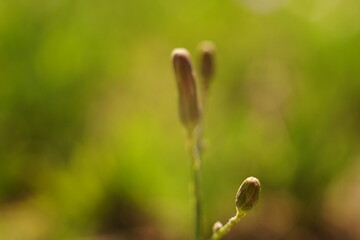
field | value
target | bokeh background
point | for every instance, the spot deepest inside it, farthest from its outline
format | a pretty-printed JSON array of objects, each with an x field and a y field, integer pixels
[{"x": 91, "y": 146}]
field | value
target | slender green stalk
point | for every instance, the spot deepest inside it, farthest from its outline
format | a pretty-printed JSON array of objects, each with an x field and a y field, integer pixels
[
  {"x": 226, "y": 228},
  {"x": 196, "y": 182}
]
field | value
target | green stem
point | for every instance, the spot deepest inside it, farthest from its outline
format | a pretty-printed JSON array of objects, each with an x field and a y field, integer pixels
[
  {"x": 226, "y": 228},
  {"x": 196, "y": 182}
]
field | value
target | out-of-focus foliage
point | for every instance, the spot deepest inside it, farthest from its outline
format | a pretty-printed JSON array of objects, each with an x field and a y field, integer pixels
[{"x": 90, "y": 140}]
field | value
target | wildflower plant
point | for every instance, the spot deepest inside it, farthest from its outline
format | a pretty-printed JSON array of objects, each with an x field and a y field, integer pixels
[{"x": 191, "y": 112}]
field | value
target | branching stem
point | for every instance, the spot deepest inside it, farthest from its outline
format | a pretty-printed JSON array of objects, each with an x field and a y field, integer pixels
[{"x": 226, "y": 228}]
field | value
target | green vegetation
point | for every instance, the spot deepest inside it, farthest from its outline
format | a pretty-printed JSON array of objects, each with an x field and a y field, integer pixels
[{"x": 90, "y": 142}]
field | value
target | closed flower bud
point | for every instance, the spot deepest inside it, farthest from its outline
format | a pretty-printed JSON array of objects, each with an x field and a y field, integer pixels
[
  {"x": 248, "y": 194},
  {"x": 217, "y": 226},
  {"x": 189, "y": 106},
  {"x": 207, "y": 62}
]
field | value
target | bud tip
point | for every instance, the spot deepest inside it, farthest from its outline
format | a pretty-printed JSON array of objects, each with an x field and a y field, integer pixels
[
  {"x": 207, "y": 46},
  {"x": 179, "y": 52}
]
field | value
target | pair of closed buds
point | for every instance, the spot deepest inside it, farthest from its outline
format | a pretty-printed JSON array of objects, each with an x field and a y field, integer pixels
[{"x": 190, "y": 106}]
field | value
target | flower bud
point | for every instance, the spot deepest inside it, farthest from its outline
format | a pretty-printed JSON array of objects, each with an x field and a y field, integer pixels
[
  {"x": 217, "y": 226},
  {"x": 248, "y": 194},
  {"x": 189, "y": 105},
  {"x": 207, "y": 62}
]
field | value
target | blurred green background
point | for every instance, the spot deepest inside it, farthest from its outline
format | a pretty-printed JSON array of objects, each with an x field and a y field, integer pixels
[{"x": 91, "y": 146}]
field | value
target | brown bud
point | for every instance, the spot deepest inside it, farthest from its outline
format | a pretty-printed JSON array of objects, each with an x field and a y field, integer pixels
[
  {"x": 248, "y": 194},
  {"x": 189, "y": 105},
  {"x": 207, "y": 62}
]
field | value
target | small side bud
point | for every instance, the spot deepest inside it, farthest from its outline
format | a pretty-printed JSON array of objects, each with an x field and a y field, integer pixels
[
  {"x": 217, "y": 226},
  {"x": 248, "y": 194},
  {"x": 207, "y": 62},
  {"x": 189, "y": 105}
]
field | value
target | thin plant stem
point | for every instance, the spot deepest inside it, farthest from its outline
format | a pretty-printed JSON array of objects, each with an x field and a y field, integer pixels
[
  {"x": 226, "y": 228},
  {"x": 196, "y": 181}
]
